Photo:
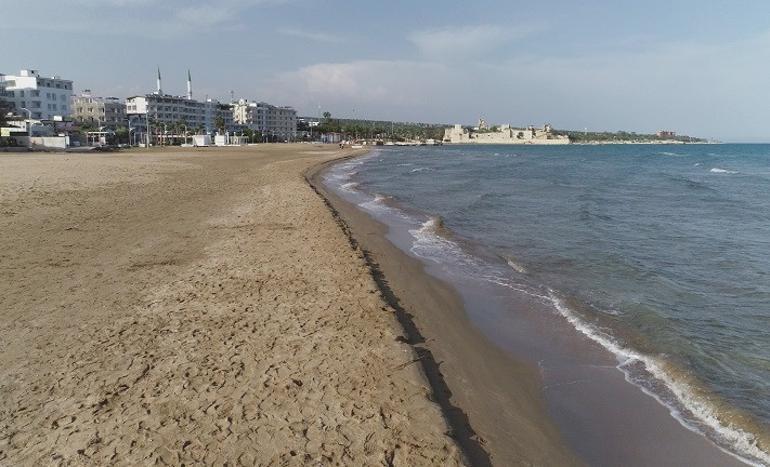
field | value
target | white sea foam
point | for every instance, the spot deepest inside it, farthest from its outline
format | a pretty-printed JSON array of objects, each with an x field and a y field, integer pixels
[
  {"x": 378, "y": 205},
  {"x": 515, "y": 266},
  {"x": 421, "y": 169},
  {"x": 717, "y": 170},
  {"x": 730, "y": 439},
  {"x": 349, "y": 187},
  {"x": 428, "y": 244}
]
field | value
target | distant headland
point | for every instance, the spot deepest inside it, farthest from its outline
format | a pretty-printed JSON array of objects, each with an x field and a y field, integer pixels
[{"x": 482, "y": 133}]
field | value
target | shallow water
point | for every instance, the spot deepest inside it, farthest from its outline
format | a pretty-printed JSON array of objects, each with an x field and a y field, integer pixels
[{"x": 658, "y": 253}]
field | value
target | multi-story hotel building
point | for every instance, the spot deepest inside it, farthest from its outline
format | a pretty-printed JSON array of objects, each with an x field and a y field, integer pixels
[
  {"x": 165, "y": 110},
  {"x": 266, "y": 118},
  {"x": 103, "y": 111},
  {"x": 43, "y": 98}
]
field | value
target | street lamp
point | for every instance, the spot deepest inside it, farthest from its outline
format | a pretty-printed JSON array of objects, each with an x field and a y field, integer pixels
[{"x": 147, "y": 127}]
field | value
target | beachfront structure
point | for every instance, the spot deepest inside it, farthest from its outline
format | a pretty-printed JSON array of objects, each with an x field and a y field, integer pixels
[
  {"x": 266, "y": 118},
  {"x": 44, "y": 98},
  {"x": 102, "y": 111},
  {"x": 166, "y": 110},
  {"x": 171, "y": 110},
  {"x": 505, "y": 134}
]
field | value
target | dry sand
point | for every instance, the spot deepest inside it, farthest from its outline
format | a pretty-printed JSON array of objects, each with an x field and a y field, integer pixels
[{"x": 197, "y": 306}]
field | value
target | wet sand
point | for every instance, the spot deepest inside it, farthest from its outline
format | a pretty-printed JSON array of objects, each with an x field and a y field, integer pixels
[
  {"x": 535, "y": 392},
  {"x": 198, "y": 306}
]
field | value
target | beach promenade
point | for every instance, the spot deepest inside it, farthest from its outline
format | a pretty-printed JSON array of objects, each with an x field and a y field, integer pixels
[{"x": 196, "y": 306}]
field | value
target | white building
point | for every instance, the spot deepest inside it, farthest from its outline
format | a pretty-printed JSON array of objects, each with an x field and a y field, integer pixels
[
  {"x": 266, "y": 118},
  {"x": 99, "y": 110},
  {"x": 505, "y": 134},
  {"x": 45, "y": 98},
  {"x": 166, "y": 110}
]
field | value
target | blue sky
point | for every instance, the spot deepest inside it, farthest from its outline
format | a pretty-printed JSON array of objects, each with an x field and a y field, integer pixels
[{"x": 701, "y": 68}]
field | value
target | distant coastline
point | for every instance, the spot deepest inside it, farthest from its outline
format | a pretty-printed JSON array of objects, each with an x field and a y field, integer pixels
[{"x": 483, "y": 133}]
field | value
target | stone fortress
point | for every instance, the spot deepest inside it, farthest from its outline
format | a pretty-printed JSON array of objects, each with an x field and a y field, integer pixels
[{"x": 504, "y": 134}]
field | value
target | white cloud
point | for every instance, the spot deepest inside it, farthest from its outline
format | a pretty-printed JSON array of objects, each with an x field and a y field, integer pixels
[
  {"x": 462, "y": 41},
  {"x": 374, "y": 87},
  {"x": 309, "y": 35},
  {"x": 705, "y": 89},
  {"x": 203, "y": 15},
  {"x": 145, "y": 18}
]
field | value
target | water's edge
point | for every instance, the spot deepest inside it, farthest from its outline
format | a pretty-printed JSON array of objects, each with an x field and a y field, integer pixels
[
  {"x": 689, "y": 407},
  {"x": 457, "y": 420}
]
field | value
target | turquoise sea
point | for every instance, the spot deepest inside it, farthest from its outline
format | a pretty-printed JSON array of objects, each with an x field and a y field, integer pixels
[{"x": 661, "y": 254}]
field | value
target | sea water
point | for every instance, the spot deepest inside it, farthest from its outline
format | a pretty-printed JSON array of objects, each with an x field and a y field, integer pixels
[{"x": 660, "y": 254}]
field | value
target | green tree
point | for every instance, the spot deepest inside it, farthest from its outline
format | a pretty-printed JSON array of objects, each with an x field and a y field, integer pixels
[
  {"x": 219, "y": 123},
  {"x": 327, "y": 116},
  {"x": 4, "y": 109},
  {"x": 121, "y": 133}
]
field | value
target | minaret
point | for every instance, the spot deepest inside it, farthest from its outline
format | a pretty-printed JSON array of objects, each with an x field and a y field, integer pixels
[
  {"x": 189, "y": 85},
  {"x": 160, "y": 89}
]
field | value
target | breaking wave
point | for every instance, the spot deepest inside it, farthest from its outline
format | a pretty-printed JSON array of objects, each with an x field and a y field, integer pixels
[{"x": 686, "y": 402}]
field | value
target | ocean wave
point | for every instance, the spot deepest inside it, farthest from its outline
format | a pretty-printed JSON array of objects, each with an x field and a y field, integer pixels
[
  {"x": 349, "y": 187},
  {"x": 378, "y": 204},
  {"x": 429, "y": 243},
  {"x": 670, "y": 154},
  {"x": 378, "y": 201},
  {"x": 434, "y": 242},
  {"x": 690, "y": 183},
  {"x": 685, "y": 402},
  {"x": 717, "y": 170},
  {"x": 515, "y": 266},
  {"x": 420, "y": 169},
  {"x": 691, "y": 406}
]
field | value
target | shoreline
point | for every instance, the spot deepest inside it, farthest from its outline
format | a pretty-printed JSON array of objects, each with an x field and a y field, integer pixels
[
  {"x": 694, "y": 446},
  {"x": 512, "y": 426},
  {"x": 461, "y": 430}
]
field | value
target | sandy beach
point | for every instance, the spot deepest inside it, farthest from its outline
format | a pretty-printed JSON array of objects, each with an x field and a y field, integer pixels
[{"x": 200, "y": 306}]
